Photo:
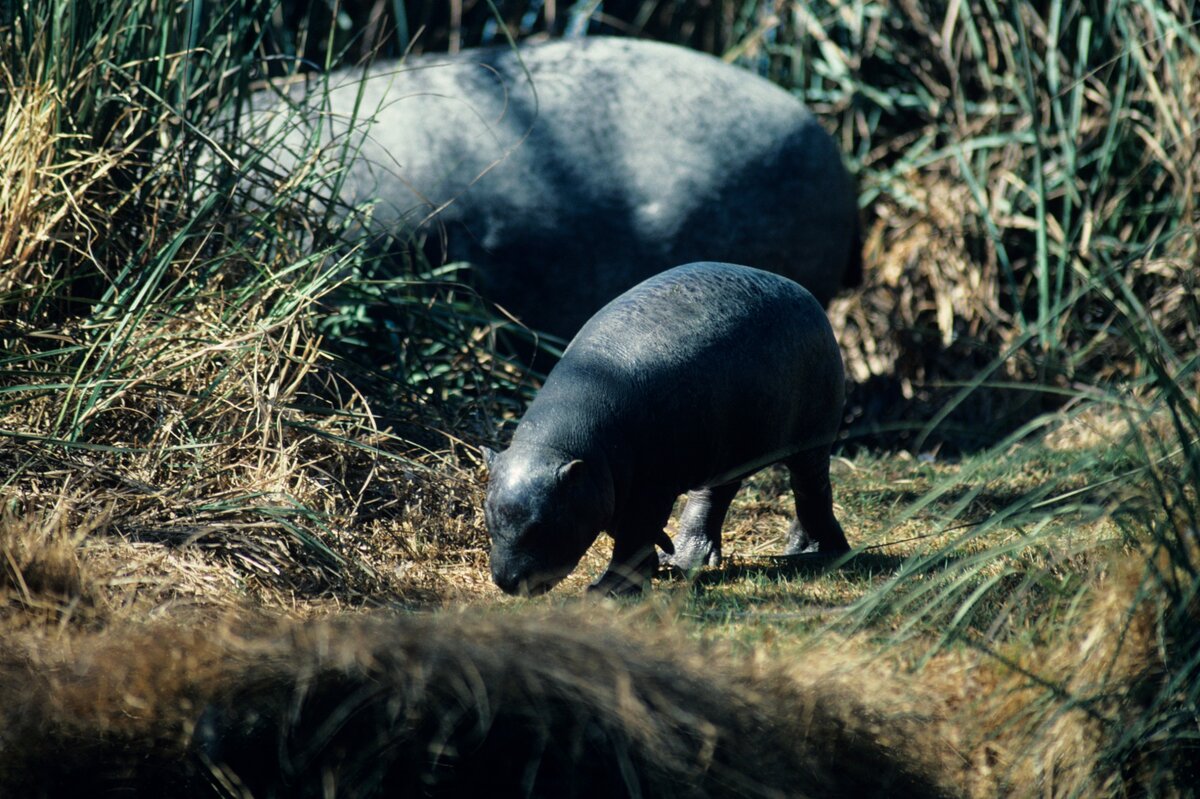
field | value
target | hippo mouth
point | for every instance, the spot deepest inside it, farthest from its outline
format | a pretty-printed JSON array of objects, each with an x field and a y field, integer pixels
[
  {"x": 533, "y": 584},
  {"x": 537, "y": 587}
]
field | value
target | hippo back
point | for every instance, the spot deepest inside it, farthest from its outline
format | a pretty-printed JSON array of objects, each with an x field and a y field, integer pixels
[
  {"x": 569, "y": 171},
  {"x": 705, "y": 372}
]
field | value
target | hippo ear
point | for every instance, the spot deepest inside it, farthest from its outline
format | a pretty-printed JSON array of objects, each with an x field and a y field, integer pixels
[
  {"x": 571, "y": 471},
  {"x": 489, "y": 456}
]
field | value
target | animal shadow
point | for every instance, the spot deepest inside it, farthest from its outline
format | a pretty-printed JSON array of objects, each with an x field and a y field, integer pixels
[{"x": 863, "y": 566}]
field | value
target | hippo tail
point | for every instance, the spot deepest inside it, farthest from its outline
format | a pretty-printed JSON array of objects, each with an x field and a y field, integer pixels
[{"x": 852, "y": 277}]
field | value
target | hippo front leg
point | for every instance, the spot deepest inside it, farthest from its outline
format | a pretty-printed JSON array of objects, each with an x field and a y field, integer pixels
[
  {"x": 634, "y": 560},
  {"x": 629, "y": 572},
  {"x": 698, "y": 541}
]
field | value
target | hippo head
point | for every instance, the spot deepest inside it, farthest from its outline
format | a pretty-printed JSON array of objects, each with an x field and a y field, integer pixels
[{"x": 543, "y": 512}]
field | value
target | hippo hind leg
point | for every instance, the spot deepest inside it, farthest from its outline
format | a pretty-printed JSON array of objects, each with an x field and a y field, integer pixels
[
  {"x": 815, "y": 529},
  {"x": 698, "y": 541}
]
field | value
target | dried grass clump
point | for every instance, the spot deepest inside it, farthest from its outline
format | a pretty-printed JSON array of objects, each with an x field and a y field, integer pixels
[
  {"x": 48, "y": 194},
  {"x": 43, "y": 580},
  {"x": 928, "y": 321},
  {"x": 1094, "y": 712},
  {"x": 562, "y": 703},
  {"x": 287, "y": 503},
  {"x": 1011, "y": 157},
  {"x": 545, "y": 704},
  {"x": 86, "y": 714},
  {"x": 221, "y": 427},
  {"x": 170, "y": 365},
  {"x": 63, "y": 567}
]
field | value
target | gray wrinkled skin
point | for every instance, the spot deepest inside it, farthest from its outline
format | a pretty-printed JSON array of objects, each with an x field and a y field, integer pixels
[
  {"x": 625, "y": 158},
  {"x": 690, "y": 381}
]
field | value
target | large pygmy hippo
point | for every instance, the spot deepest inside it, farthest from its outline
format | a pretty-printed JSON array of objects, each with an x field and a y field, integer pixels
[
  {"x": 583, "y": 167},
  {"x": 690, "y": 381}
]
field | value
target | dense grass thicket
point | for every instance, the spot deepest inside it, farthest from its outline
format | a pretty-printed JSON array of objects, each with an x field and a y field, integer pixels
[{"x": 219, "y": 499}]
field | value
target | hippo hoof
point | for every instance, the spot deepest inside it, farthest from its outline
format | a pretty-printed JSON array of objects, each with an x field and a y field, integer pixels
[
  {"x": 814, "y": 549},
  {"x": 612, "y": 584},
  {"x": 689, "y": 560}
]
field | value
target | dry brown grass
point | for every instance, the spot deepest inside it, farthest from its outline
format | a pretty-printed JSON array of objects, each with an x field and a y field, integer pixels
[
  {"x": 199, "y": 499},
  {"x": 451, "y": 703},
  {"x": 43, "y": 580},
  {"x": 1049, "y": 719},
  {"x": 990, "y": 188},
  {"x": 43, "y": 197},
  {"x": 590, "y": 698},
  {"x": 388, "y": 531}
]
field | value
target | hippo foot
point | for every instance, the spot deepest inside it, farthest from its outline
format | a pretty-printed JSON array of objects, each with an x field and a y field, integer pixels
[
  {"x": 830, "y": 543},
  {"x": 629, "y": 571},
  {"x": 815, "y": 549},
  {"x": 617, "y": 584},
  {"x": 689, "y": 556}
]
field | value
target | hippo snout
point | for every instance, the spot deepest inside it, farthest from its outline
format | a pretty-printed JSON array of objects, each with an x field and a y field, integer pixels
[
  {"x": 516, "y": 584},
  {"x": 510, "y": 581},
  {"x": 518, "y": 577}
]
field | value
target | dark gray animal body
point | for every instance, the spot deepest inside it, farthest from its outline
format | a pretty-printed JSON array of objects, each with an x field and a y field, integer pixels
[
  {"x": 689, "y": 381},
  {"x": 584, "y": 167}
]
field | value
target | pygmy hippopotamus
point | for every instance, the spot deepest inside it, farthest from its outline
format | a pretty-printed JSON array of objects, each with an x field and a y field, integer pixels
[
  {"x": 690, "y": 381},
  {"x": 568, "y": 171}
]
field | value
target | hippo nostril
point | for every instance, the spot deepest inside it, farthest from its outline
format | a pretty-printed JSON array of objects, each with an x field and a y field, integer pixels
[{"x": 509, "y": 581}]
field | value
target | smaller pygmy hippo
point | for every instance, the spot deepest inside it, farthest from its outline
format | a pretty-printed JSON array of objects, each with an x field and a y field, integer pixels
[{"x": 689, "y": 381}]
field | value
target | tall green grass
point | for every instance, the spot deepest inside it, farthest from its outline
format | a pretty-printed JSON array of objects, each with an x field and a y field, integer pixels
[
  {"x": 1043, "y": 146},
  {"x": 172, "y": 336},
  {"x": 1098, "y": 634}
]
